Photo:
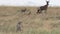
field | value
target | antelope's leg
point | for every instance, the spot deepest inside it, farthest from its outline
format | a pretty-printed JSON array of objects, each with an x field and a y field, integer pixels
[{"x": 38, "y": 11}]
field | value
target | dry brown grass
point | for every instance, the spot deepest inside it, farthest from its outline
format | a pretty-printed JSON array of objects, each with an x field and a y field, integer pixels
[{"x": 10, "y": 16}]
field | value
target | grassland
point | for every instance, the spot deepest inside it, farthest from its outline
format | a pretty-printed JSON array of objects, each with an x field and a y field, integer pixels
[{"x": 34, "y": 23}]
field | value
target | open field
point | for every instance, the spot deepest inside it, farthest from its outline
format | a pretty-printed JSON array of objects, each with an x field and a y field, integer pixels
[{"x": 33, "y": 23}]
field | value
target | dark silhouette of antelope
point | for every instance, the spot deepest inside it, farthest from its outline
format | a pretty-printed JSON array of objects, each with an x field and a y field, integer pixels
[
  {"x": 23, "y": 10},
  {"x": 18, "y": 26},
  {"x": 43, "y": 8}
]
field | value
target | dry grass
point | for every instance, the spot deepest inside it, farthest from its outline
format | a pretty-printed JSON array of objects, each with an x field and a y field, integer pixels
[{"x": 32, "y": 24}]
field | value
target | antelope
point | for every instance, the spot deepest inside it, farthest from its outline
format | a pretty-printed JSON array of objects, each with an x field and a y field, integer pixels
[
  {"x": 18, "y": 26},
  {"x": 43, "y": 8},
  {"x": 23, "y": 10}
]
